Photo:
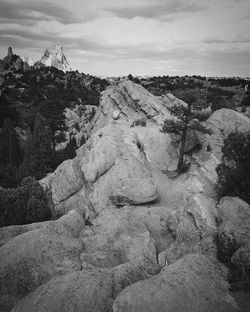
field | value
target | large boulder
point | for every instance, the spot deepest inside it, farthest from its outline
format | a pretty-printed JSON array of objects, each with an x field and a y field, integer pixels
[
  {"x": 34, "y": 257},
  {"x": 67, "y": 180},
  {"x": 115, "y": 238},
  {"x": 129, "y": 273},
  {"x": 113, "y": 163},
  {"x": 234, "y": 230},
  {"x": 80, "y": 291},
  {"x": 193, "y": 283},
  {"x": 71, "y": 223}
]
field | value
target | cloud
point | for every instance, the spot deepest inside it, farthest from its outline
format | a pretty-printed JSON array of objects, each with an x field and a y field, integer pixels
[
  {"x": 27, "y": 11},
  {"x": 155, "y": 11}
]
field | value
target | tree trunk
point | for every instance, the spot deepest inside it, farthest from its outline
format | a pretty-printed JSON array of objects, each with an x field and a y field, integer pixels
[
  {"x": 182, "y": 147},
  {"x": 53, "y": 142}
]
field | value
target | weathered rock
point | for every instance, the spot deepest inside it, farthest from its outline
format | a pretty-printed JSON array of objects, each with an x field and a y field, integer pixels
[
  {"x": 116, "y": 114},
  {"x": 228, "y": 121},
  {"x": 155, "y": 220},
  {"x": 193, "y": 283},
  {"x": 100, "y": 153},
  {"x": 114, "y": 165},
  {"x": 79, "y": 291},
  {"x": 118, "y": 238},
  {"x": 7, "y": 232},
  {"x": 160, "y": 149},
  {"x": 128, "y": 273},
  {"x": 32, "y": 258},
  {"x": 71, "y": 224},
  {"x": 79, "y": 201},
  {"x": 134, "y": 102},
  {"x": 67, "y": 180},
  {"x": 234, "y": 230}
]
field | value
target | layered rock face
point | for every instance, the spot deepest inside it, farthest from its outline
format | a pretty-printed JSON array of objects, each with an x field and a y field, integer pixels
[
  {"x": 129, "y": 237},
  {"x": 127, "y": 102},
  {"x": 55, "y": 58}
]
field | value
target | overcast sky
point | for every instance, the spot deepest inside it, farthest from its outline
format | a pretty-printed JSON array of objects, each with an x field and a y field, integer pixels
[{"x": 141, "y": 37}]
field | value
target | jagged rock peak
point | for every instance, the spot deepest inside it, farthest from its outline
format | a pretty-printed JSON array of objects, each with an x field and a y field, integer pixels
[
  {"x": 55, "y": 58},
  {"x": 29, "y": 60},
  {"x": 10, "y": 52}
]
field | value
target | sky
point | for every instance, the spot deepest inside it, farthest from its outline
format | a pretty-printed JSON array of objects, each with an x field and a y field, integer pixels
[{"x": 138, "y": 37}]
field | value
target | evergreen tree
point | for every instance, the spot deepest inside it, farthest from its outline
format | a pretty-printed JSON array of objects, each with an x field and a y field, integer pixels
[
  {"x": 234, "y": 170},
  {"x": 186, "y": 118},
  {"x": 53, "y": 112},
  {"x": 9, "y": 155},
  {"x": 14, "y": 151},
  {"x": 37, "y": 150},
  {"x": 70, "y": 149},
  {"x": 42, "y": 146},
  {"x": 6, "y": 111},
  {"x": 29, "y": 164},
  {"x": 4, "y": 143}
]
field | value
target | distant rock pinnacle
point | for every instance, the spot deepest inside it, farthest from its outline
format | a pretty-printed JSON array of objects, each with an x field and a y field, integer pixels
[
  {"x": 55, "y": 58},
  {"x": 10, "y": 53}
]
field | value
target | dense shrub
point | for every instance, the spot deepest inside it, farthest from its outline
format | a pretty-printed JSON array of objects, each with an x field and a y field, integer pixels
[
  {"x": 234, "y": 170},
  {"x": 139, "y": 122},
  {"x": 24, "y": 204}
]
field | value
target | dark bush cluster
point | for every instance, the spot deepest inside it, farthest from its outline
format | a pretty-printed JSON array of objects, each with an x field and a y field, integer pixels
[
  {"x": 24, "y": 204},
  {"x": 139, "y": 122},
  {"x": 234, "y": 170}
]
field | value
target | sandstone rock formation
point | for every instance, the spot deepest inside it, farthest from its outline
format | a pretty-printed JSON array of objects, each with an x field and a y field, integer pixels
[
  {"x": 234, "y": 230},
  {"x": 128, "y": 232},
  {"x": 35, "y": 256},
  {"x": 122, "y": 165},
  {"x": 79, "y": 291},
  {"x": 194, "y": 283},
  {"x": 130, "y": 102}
]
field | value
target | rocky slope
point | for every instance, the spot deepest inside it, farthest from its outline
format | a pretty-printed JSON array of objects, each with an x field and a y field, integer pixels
[
  {"x": 55, "y": 58},
  {"x": 129, "y": 237}
]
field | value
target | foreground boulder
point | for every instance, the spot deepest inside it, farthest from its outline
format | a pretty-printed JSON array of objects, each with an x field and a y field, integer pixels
[
  {"x": 79, "y": 291},
  {"x": 115, "y": 238},
  {"x": 34, "y": 257},
  {"x": 234, "y": 230},
  {"x": 194, "y": 283}
]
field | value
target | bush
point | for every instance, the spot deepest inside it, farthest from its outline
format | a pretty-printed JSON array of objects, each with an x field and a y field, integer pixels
[
  {"x": 24, "y": 204},
  {"x": 234, "y": 170},
  {"x": 139, "y": 122}
]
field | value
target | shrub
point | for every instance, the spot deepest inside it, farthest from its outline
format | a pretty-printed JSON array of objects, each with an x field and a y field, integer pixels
[
  {"x": 139, "y": 122},
  {"x": 24, "y": 204},
  {"x": 234, "y": 170}
]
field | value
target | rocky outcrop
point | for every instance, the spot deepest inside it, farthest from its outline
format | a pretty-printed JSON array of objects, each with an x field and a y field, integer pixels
[
  {"x": 130, "y": 102},
  {"x": 129, "y": 229},
  {"x": 55, "y": 58},
  {"x": 80, "y": 291},
  {"x": 67, "y": 180},
  {"x": 34, "y": 257},
  {"x": 194, "y": 283},
  {"x": 117, "y": 237},
  {"x": 121, "y": 165},
  {"x": 234, "y": 231},
  {"x": 12, "y": 62}
]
